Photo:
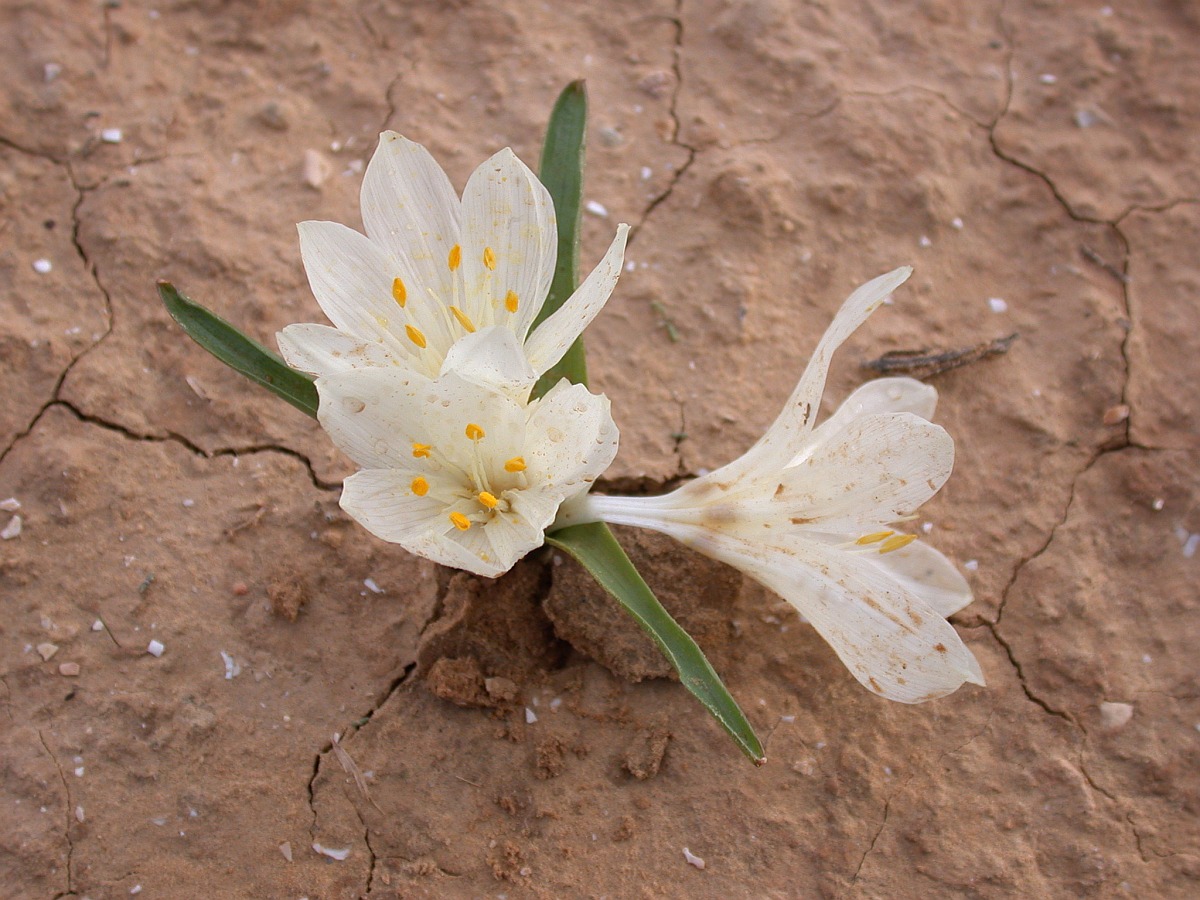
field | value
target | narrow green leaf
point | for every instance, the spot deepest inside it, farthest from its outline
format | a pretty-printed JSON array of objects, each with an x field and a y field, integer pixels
[
  {"x": 594, "y": 546},
  {"x": 240, "y": 352},
  {"x": 562, "y": 174}
]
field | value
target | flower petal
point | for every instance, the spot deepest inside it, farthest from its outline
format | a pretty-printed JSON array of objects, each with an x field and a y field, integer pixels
[
  {"x": 374, "y": 416},
  {"x": 926, "y": 573},
  {"x": 509, "y": 243},
  {"x": 492, "y": 357},
  {"x": 787, "y": 434},
  {"x": 891, "y": 640},
  {"x": 321, "y": 350},
  {"x": 452, "y": 403},
  {"x": 352, "y": 281},
  {"x": 410, "y": 208},
  {"x": 550, "y": 340},
  {"x": 382, "y": 501},
  {"x": 570, "y": 439}
]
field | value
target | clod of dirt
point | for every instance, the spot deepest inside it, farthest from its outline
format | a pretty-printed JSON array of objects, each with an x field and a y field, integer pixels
[
  {"x": 460, "y": 681},
  {"x": 697, "y": 591},
  {"x": 551, "y": 757},
  {"x": 287, "y": 598},
  {"x": 644, "y": 755}
]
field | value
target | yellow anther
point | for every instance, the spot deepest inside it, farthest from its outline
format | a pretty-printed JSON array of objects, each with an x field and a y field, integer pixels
[
  {"x": 420, "y": 486},
  {"x": 896, "y": 542},
  {"x": 489, "y": 258},
  {"x": 415, "y": 335},
  {"x": 455, "y": 258},
  {"x": 399, "y": 292},
  {"x": 474, "y": 432},
  {"x": 510, "y": 301},
  {"x": 516, "y": 464},
  {"x": 873, "y": 537},
  {"x": 461, "y": 522},
  {"x": 421, "y": 451},
  {"x": 488, "y": 500},
  {"x": 463, "y": 319}
]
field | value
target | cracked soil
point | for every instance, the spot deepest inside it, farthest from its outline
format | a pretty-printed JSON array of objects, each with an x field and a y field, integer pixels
[{"x": 432, "y": 736}]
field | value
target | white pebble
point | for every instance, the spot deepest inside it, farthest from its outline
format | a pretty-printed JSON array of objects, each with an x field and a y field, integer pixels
[
  {"x": 42, "y": 266},
  {"x": 79, "y": 771},
  {"x": 12, "y": 504},
  {"x": 97, "y": 625},
  {"x": 372, "y": 586},
  {"x": 188, "y": 503},
  {"x": 78, "y": 813},
  {"x": 12, "y": 529},
  {"x": 957, "y": 223},
  {"x": 136, "y": 889},
  {"x": 232, "y": 669},
  {"x": 1189, "y": 549},
  {"x": 692, "y": 858},
  {"x": 155, "y": 648},
  {"x": 924, "y": 241},
  {"x": 788, "y": 719},
  {"x": 1047, "y": 78},
  {"x": 646, "y": 173},
  {"x": 332, "y": 853},
  {"x": 971, "y": 565},
  {"x": 111, "y": 135},
  {"x": 1115, "y": 715},
  {"x": 50, "y": 71},
  {"x": 630, "y": 265},
  {"x": 1085, "y": 118},
  {"x": 286, "y": 849},
  {"x": 596, "y": 209},
  {"x": 530, "y": 716},
  {"x": 926, "y": 527},
  {"x": 1158, "y": 504},
  {"x": 997, "y": 304}
]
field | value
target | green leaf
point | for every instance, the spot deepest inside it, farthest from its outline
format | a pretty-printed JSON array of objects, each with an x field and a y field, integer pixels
[
  {"x": 240, "y": 352},
  {"x": 562, "y": 174},
  {"x": 594, "y": 546}
]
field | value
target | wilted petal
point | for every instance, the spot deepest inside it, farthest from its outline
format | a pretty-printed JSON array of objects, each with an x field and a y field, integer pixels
[
  {"x": 410, "y": 208},
  {"x": 321, "y": 350},
  {"x": 550, "y": 340},
  {"x": 509, "y": 243}
]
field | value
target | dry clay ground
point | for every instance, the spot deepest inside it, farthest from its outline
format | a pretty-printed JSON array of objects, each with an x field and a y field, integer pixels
[{"x": 772, "y": 155}]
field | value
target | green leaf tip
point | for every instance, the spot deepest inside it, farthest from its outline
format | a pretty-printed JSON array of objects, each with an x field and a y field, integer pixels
[
  {"x": 594, "y": 547},
  {"x": 240, "y": 352}
]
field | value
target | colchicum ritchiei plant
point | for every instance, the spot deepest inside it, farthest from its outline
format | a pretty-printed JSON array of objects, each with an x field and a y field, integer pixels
[{"x": 454, "y": 378}]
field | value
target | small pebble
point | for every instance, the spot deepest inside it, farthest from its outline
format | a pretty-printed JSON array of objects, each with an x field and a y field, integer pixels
[
  {"x": 924, "y": 241},
  {"x": 136, "y": 889},
  {"x": 1115, "y": 715},
  {"x": 372, "y": 586},
  {"x": 155, "y": 648},
  {"x": 1158, "y": 504},
  {"x": 997, "y": 305},
  {"x": 47, "y": 650},
  {"x": 69, "y": 670},
  {"x": 42, "y": 266},
  {"x": 240, "y": 589},
  {"x": 530, "y": 716},
  {"x": 286, "y": 849},
  {"x": 971, "y": 565},
  {"x": 1047, "y": 78},
  {"x": 957, "y": 223},
  {"x": 50, "y": 71},
  {"x": 1085, "y": 118},
  {"x": 316, "y": 169},
  {"x": 331, "y": 852},
  {"x": 97, "y": 625},
  {"x": 189, "y": 503},
  {"x": 1115, "y": 415},
  {"x": 78, "y": 813},
  {"x": 596, "y": 209},
  {"x": 111, "y": 135},
  {"x": 12, "y": 504},
  {"x": 12, "y": 529},
  {"x": 692, "y": 858},
  {"x": 646, "y": 173}
]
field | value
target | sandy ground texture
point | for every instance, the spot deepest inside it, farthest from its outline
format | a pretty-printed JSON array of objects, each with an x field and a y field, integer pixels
[{"x": 1037, "y": 162}]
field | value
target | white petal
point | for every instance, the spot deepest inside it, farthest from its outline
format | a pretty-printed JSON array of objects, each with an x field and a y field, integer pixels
[
  {"x": 452, "y": 403},
  {"x": 892, "y": 641},
  {"x": 410, "y": 208},
  {"x": 926, "y": 573},
  {"x": 321, "y": 350},
  {"x": 492, "y": 357},
  {"x": 570, "y": 439},
  {"x": 506, "y": 210},
  {"x": 550, "y": 340},
  {"x": 786, "y": 436},
  {"x": 875, "y": 469},
  {"x": 352, "y": 281},
  {"x": 374, "y": 416},
  {"x": 382, "y": 501}
]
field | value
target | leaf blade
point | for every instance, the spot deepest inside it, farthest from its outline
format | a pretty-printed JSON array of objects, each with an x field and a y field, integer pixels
[
  {"x": 594, "y": 547},
  {"x": 240, "y": 352},
  {"x": 561, "y": 171}
]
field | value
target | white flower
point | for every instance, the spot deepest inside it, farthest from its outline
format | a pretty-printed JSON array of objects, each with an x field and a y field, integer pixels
[
  {"x": 433, "y": 271},
  {"x": 457, "y": 472},
  {"x": 808, "y": 513}
]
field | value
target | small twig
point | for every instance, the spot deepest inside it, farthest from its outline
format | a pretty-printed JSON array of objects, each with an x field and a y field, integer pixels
[
  {"x": 924, "y": 364},
  {"x": 1093, "y": 257}
]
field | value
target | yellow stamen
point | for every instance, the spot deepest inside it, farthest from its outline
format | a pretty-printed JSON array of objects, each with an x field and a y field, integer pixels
[
  {"x": 463, "y": 319},
  {"x": 489, "y": 258},
  {"x": 896, "y": 542},
  {"x": 421, "y": 451},
  {"x": 420, "y": 486},
  {"x": 510, "y": 301},
  {"x": 474, "y": 432},
  {"x": 516, "y": 464},
  {"x": 873, "y": 537},
  {"x": 415, "y": 335},
  {"x": 488, "y": 500},
  {"x": 399, "y": 292},
  {"x": 455, "y": 258},
  {"x": 461, "y": 522}
]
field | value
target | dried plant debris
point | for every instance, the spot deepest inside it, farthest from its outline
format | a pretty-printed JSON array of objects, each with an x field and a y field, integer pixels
[{"x": 926, "y": 363}]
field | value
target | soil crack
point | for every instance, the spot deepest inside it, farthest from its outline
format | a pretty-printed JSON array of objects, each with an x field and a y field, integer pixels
[{"x": 66, "y": 816}]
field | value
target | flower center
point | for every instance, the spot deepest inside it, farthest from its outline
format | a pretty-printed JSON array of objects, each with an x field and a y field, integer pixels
[{"x": 478, "y": 497}]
